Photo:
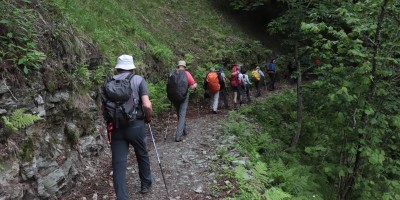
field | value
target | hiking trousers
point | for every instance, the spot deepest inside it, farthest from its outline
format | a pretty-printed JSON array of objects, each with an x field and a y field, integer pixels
[
  {"x": 214, "y": 101},
  {"x": 257, "y": 85},
  {"x": 181, "y": 109},
  {"x": 224, "y": 94},
  {"x": 121, "y": 139},
  {"x": 272, "y": 81}
]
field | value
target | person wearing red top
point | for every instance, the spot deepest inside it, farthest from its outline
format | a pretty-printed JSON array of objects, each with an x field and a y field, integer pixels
[{"x": 181, "y": 108}]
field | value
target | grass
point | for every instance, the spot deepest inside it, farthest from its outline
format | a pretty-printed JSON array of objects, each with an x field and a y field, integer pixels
[{"x": 155, "y": 32}]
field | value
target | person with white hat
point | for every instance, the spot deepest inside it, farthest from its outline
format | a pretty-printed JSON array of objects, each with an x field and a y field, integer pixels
[{"x": 133, "y": 133}]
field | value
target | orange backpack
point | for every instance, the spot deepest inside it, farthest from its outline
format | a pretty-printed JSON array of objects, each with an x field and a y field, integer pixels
[{"x": 213, "y": 82}]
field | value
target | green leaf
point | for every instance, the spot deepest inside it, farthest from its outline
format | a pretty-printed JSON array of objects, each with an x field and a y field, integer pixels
[
  {"x": 327, "y": 169},
  {"x": 395, "y": 121},
  {"x": 377, "y": 157},
  {"x": 26, "y": 70},
  {"x": 369, "y": 111},
  {"x": 342, "y": 173},
  {"x": 4, "y": 21}
]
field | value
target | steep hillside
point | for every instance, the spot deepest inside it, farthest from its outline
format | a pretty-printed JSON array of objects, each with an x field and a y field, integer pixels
[
  {"x": 158, "y": 33},
  {"x": 54, "y": 56}
]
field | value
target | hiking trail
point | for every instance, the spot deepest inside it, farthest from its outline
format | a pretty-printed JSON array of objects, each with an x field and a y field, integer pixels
[{"x": 186, "y": 164}]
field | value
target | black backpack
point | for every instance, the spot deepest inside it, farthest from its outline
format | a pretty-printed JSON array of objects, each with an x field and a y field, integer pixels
[
  {"x": 221, "y": 80},
  {"x": 177, "y": 86},
  {"x": 117, "y": 94}
]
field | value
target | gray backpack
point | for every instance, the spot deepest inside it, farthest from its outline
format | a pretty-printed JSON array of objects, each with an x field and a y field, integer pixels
[{"x": 117, "y": 94}]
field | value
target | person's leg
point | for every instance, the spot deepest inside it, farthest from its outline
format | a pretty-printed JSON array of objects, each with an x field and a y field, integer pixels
[
  {"x": 240, "y": 94},
  {"x": 273, "y": 81},
  {"x": 212, "y": 95},
  {"x": 235, "y": 95},
  {"x": 182, "y": 119},
  {"x": 119, "y": 150},
  {"x": 257, "y": 86},
  {"x": 137, "y": 138},
  {"x": 248, "y": 93},
  {"x": 225, "y": 97},
  {"x": 215, "y": 102},
  {"x": 270, "y": 81}
]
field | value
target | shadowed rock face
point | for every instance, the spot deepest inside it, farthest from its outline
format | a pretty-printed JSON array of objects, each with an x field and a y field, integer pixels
[{"x": 62, "y": 144}]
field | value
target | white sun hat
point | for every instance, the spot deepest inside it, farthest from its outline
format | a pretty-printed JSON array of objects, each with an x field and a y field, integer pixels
[
  {"x": 182, "y": 63},
  {"x": 125, "y": 62}
]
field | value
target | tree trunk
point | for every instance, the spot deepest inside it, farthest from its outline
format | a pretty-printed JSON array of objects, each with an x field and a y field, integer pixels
[{"x": 296, "y": 137}]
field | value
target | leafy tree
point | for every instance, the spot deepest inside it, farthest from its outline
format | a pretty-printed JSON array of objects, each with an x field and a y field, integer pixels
[
  {"x": 356, "y": 93},
  {"x": 351, "y": 120}
]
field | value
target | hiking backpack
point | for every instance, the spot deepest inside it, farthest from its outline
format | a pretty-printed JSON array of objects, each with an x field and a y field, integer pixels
[
  {"x": 221, "y": 81},
  {"x": 177, "y": 86},
  {"x": 120, "y": 104},
  {"x": 234, "y": 79},
  {"x": 255, "y": 76},
  {"x": 213, "y": 82},
  {"x": 269, "y": 68}
]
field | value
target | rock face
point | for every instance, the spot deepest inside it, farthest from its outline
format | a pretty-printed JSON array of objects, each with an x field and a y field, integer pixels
[
  {"x": 42, "y": 160},
  {"x": 62, "y": 144}
]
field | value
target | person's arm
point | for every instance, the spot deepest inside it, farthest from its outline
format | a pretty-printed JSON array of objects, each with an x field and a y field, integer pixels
[
  {"x": 261, "y": 73},
  {"x": 147, "y": 108},
  {"x": 146, "y": 103},
  {"x": 191, "y": 82},
  {"x": 194, "y": 86},
  {"x": 224, "y": 78}
]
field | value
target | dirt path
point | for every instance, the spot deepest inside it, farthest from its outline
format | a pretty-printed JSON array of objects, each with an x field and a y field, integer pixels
[{"x": 186, "y": 165}]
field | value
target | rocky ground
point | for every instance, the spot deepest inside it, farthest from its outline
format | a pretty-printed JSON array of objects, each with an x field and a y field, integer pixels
[{"x": 187, "y": 165}]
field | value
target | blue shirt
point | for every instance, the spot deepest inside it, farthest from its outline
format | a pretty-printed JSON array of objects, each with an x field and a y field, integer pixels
[{"x": 270, "y": 66}]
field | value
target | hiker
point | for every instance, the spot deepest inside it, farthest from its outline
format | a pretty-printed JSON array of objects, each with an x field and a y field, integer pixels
[
  {"x": 130, "y": 131},
  {"x": 213, "y": 87},
  {"x": 292, "y": 68},
  {"x": 236, "y": 81},
  {"x": 177, "y": 92},
  {"x": 247, "y": 84},
  {"x": 256, "y": 76},
  {"x": 222, "y": 82},
  {"x": 271, "y": 71}
]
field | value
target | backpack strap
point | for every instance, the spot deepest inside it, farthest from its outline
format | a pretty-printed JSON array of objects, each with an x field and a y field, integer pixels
[
  {"x": 131, "y": 75},
  {"x": 133, "y": 110}
]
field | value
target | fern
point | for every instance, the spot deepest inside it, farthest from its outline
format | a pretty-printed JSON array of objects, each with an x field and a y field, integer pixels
[
  {"x": 260, "y": 173},
  {"x": 276, "y": 194},
  {"x": 19, "y": 120}
]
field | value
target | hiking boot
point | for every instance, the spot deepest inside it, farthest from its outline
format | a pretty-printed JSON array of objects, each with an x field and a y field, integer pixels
[
  {"x": 145, "y": 189},
  {"x": 178, "y": 140},
  {"x": 214, "y": 112}
]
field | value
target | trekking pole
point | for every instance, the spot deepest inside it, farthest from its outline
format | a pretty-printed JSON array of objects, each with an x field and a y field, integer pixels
[
  {"x": 158, "y": 159},
  {"x": 169, "y": 115}
]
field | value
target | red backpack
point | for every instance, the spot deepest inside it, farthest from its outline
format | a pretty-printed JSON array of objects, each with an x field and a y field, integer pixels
[
  {"x": 213, "y": 82},
  {"x": 234, "y": 79}
]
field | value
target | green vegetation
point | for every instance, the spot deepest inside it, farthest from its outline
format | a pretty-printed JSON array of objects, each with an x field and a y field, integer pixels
[
  {"x": 348, "y": 136},
  {"x": 18, "y": 37},
  {"x": 159, "y": 32},
  {"x": 28, "y": 149},
  {"x": 348, "y": 143},
  {"x": 19, "y": 120}
]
